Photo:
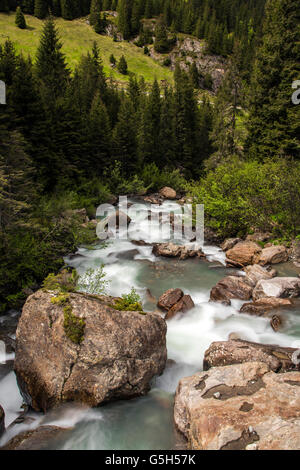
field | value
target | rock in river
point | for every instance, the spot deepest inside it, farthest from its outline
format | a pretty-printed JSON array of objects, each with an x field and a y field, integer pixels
[
  {"x": 273, "y": 255},
  {"x": 2, "y": 421},
  {"x": 42, "y": 438},
  {"x": 231, "y": 287},
  {"x": 225, "y": 353},
  {"x": 243, "y": 253},
  {"x": 280, "y": 287},
  {"x": 174, "y": 301},
  {"x": 238, "y": 407},
  {"x": 116, "y": 358}
]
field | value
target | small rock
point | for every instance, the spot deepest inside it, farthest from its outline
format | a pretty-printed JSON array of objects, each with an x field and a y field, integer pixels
[
  {"x": 262, "y": 307},
  {"x": 231, "y": 287},
  {"x": 273, "y": 255},
  {"x": 42, "y": 438},
  {"x": 279, "y": 287},
  {"x": 184, "y": 305},
  {"x": 276, "y": 323},
  {"x": 168, "y": 193},
  {"x": 230, "y": 243},
  {"x": 243, "y": 254},
  {"x": 169, "y": 298}
]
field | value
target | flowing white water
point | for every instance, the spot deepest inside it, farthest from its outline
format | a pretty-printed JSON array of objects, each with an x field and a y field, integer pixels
[{"x": 146, "y": 423}]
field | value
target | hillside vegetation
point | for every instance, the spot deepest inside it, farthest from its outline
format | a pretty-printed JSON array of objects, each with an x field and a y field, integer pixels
[{"x": 77, "y": 38}]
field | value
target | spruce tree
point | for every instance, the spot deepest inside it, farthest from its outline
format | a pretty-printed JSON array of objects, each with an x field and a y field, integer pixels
[
  {"x": 125, "y": 138},
  {"x": 40, "y": 9},
  {"x": 161, "y": 43},
  {"x": 274, "y": 127},
  {"x": 124, "y": 18},
  {"x": 51, "y": 68},
  {"x": 122, "y": 66},
  {"x": 20, "y": 19},
  {"x": 95, "y": 12}
]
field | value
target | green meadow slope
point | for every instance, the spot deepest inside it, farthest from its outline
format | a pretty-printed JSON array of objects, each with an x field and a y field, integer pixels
[{"x": 77, "y": 38}]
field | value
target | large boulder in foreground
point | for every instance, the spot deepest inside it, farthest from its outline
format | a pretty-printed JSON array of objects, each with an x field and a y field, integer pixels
[
  {"x": 225, "y": 353},
  {"x": 231, "y": 287},
  {"x": 273, "y": 255},
  {"x": 42, "y": 438},
  {"x": 116, "y": 357},
  {"x": 2, "y": 421},
  {"x": 280, "y": 287},
  {"x": 243, "y": 406},
  {"x": 243, "y": 253}
]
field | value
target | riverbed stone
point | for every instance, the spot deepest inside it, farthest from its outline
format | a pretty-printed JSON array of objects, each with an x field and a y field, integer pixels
[
  {"x": 42, "y": 438},
  {"x": 169, "y": 298},
  {"x": 118, "y": 356},
  {"x": 231, "y": 287},
  {"x": 243, "y": 253},
  {"x": 280, "y": 287},
  {"x": 225, "y": 353},
  {"x": 263, "y": 306},
  {"x": 229, "y": 243},
  {"x": 273, "y": 255},
  {"x": 185, "y": 304},
  {"x": 168, "y": 193},
  {"x": 2, "y": 421},
  {"x": 239, "y": 406},
  {"x": 170, "y": 250},
  {"x": 255, "y": 273}
]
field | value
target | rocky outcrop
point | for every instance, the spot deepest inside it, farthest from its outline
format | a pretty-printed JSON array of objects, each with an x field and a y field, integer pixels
[
  {"x": 168, "y": 193},
  {"x": 244, "y": 406},
  {"x": 280, "y": 287},
  {"x": 2, "y": 421},
  {"x": 259, "y": 237},
  {"x": 273, "y": 255},
  {"x": 255, "y": 273},
  {"x": 225, "y": 353},
  {"x": 182, "y": 306},
  {"x": 169, "y": 298},
  {"x": 174, "y": 301},
  {"x": 42, "y": 438},
  {"x": 231, "y": 287},
  {"x": 263, "y": 307},
  {"x": 116, "y": 357},
  {"x": 242, "y": 254},
  {"x": 170, "y": 250},
  {"x": 229, "y": 243}
]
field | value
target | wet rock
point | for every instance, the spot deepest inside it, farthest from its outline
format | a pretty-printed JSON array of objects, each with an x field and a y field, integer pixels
[
  {"x": 229, "y": 243},
  {"x": 242, "y": 254},
  {"x": 42, "y": 438},
  {"x": 140, "y": 243},
  {"x": 154, "y": 199},
  {"x": 273, "y": 255},
  {"x": 276, "y": 323},
  {"x": 184, "y": 305},
  {"x": 119, "y": 352},
  {"x": 2, "y": 421},
  {"x": 231, "y": 287},
  {"x": 168, "y": 193},
  {"x": 119, "y": 218},
  {"x": 256, "y": 407},
  {"x": 295, "y": 251},
  {"x": 169, "y": 298},
  {"x": 170, "y": 250},
  {"x": 280, "y": 287},
  {"x": 127, "y": 255},
  {"x": 255, "y": 273},
  {"x": 263, "y": 306},
  {"x": 225, "y": 353}
]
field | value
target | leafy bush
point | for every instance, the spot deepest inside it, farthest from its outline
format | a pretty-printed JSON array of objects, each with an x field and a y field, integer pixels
[
  {"x": 154, "y": 178},
  {"x": 93, "y": 281},
  {"x": 130, "y": 302},
  {"x": 243, "y": 195},
  {"x": 64, "y": 281}
]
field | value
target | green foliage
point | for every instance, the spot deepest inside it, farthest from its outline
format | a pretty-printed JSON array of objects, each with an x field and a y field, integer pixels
[
  {"x": 122, "y": 66},
  {"x": 155, "y": 179},
  {"x": 65, "y": 281},
  {"x": 93, "y": 281},
  {"x": 74, "y": 326},
  {"x": 20, "y": 19},
  {"x": 238, "y": 195},
  {"x": 130, "y": 302}
]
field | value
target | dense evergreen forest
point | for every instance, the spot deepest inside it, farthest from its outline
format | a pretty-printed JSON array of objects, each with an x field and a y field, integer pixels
[{"x": 71, "y": 140}]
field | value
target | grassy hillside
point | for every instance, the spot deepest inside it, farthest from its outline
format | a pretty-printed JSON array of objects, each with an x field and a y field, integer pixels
[{"x": 77, "y": 38}]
